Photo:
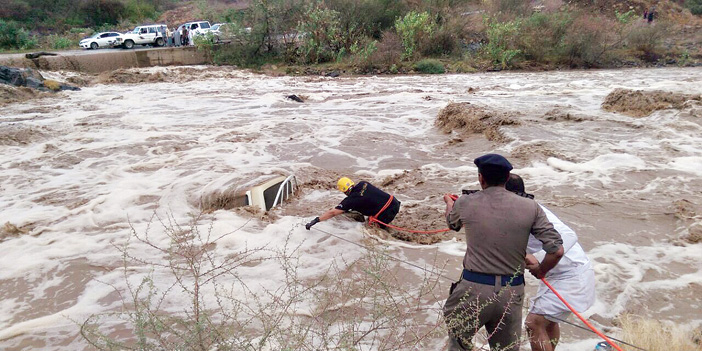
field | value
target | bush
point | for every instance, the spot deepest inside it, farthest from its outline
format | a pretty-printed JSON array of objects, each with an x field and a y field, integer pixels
[
  {"x": 502, "y": 41},
  {"x": 322, "y": 41},
  {"x": 138, "y": 11},
  {"x": 389, "y": 50},
  {"x": 507, "y": 10},
  {"x": 695, "y": 6},
  {"x": 442, "y": 42},
  {"x": 589, "y": 41},
  {"x": 646, "y": 40},
  {"x": 189, "y": 294},
  {"x": 99, "y": 12},
  {"x": 12, "y": 36},
  {"x": 429, "y": 66},
  {"x": 413, "y": 28},
  {"x": 59, "y": 42},
  {"x": 363, "y": 51},
  {"x": 542, "y": 36}
]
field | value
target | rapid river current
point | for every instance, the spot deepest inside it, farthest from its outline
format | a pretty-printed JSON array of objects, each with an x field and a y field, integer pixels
[{"x": 80, "y": 172}]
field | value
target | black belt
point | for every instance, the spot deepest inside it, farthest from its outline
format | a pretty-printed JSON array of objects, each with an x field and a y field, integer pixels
[{"x": 489, "y": 279}]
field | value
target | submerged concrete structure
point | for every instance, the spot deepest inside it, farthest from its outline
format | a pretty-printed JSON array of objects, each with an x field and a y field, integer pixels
[{"x": 109, "y": 60}]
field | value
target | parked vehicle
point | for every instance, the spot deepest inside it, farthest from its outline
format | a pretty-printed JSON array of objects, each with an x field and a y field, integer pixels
[
  {"x": 197, "y": 27},
  {"x": 154, "y": 34},
  {"x": 221, "y": 31},
  {"x": 100, "y": 40}
]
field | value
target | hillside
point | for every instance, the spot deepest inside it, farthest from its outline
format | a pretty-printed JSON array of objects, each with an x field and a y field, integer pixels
[{"x": 384, "y": 36}]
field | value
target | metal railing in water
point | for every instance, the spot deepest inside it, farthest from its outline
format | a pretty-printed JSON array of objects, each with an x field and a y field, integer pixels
[{"x": 286, "y": 189}]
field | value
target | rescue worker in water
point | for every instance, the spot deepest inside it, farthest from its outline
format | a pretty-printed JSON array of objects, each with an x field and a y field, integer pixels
[{"x": 364, "y": 198}]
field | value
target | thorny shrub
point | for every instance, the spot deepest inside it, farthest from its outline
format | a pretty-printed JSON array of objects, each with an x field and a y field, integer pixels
[
  {"x": 646, "y": 40},
  {"x": 389, "y": 50},
  {"x": 208, "y": 304}
]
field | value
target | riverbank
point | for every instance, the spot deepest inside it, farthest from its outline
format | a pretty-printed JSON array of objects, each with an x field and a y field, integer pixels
[{"x": 108, "y": 60}]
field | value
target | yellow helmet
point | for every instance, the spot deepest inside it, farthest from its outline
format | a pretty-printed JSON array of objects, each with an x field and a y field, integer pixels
[{"x": 344, "y": 184}]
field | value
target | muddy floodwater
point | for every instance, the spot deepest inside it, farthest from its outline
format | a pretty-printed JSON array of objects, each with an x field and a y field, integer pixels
[{"x": 80, "y": 171}]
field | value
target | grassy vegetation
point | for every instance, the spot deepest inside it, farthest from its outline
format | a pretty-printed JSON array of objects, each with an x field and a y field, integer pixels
[
  {"x": 467, "y": 35},
  {"x": 385, "y": 36},
  {"x": 654, "y": 335}
]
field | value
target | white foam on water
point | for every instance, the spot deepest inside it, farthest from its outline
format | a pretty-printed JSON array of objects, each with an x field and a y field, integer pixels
[{"x": 111, "y": 156}]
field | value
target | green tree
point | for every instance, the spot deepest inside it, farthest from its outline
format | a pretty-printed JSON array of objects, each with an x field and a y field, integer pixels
[
  {"x": 502, "y": 39},
  {"x": 412, "y": 28},
  {"x": 321, "y": 33}
]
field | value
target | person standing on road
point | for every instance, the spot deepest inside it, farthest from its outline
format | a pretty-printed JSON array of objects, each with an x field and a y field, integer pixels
[
  {"x": 364, "y": 198},
  {"x": 169, "y": 37},
  {"x": 176, "y": 37},
  {"x": 490, "y": 292},
  {"x": 191, "y": 36},
  {"x": 184, "y": 36},
  {"x": 573, "y": 277}
]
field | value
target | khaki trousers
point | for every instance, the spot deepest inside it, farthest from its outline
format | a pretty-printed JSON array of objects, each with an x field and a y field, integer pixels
[{"x": 471, "y": 306}]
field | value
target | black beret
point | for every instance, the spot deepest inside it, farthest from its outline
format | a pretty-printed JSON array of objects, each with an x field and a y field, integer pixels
[{"x": 493, "y": 161}]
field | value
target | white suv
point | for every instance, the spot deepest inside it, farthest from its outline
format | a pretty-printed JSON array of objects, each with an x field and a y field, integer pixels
[
  {"x": 154, "y": 34},
  {"x": 197, "y": 27}
]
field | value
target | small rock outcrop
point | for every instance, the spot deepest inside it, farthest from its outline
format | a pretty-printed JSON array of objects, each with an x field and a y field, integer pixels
[{"x": 30, "y": 78}]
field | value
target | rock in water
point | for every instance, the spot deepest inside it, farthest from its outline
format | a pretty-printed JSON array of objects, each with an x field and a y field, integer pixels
[
  {"x": 18, "y": 77},
  {"x": 295, "y": 98},
  {"x": 31, "y": 79}
]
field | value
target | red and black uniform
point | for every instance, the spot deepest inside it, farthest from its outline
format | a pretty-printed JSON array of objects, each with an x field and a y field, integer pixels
[{"x": 369, "y": 200}]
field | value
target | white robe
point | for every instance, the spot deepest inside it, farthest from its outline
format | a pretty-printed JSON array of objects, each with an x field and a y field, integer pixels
[{"x": 573, "y": 276}]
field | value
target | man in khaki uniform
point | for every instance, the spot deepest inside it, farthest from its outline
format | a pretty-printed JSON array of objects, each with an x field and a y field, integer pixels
[{"x": 491, "y": 290}]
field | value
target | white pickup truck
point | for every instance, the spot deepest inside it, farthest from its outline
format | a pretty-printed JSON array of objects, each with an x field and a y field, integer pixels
[{"x": 154, "y": 34}]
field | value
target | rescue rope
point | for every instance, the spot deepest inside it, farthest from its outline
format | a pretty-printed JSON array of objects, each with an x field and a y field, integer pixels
[
  {"x": 581, "y": 317},
  {"x": 592, "y": 328},
  {"x": 374, "y": 219},
  {"x": 387, "y": 255},
  {"x": 589, "y": 330}
]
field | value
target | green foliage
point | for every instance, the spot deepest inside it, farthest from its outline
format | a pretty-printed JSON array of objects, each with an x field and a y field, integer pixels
[
  {"x": 321, "y": 34},
  {"x": 12, "y": 36},
  {"x": 98, "y": 12},
  {"x": 684, "y": 58},
  {"x": 367, "y": 17},
  {"x": 542, "y": 36},
  {"x": 429, "y": 66},
  {"x": 695, "y": 6},
  {"x": 625, "y": 17},
  {"x": 60, "y": 42},
  {"x": 80, "y": 30},
  {"x": 412, "y": 28},
  {"x": 363, "y": 52},
  {"x": 502, "y": 41},
  {"x": 139, "y": 11},
  {"x": 205, "y": 43}
]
